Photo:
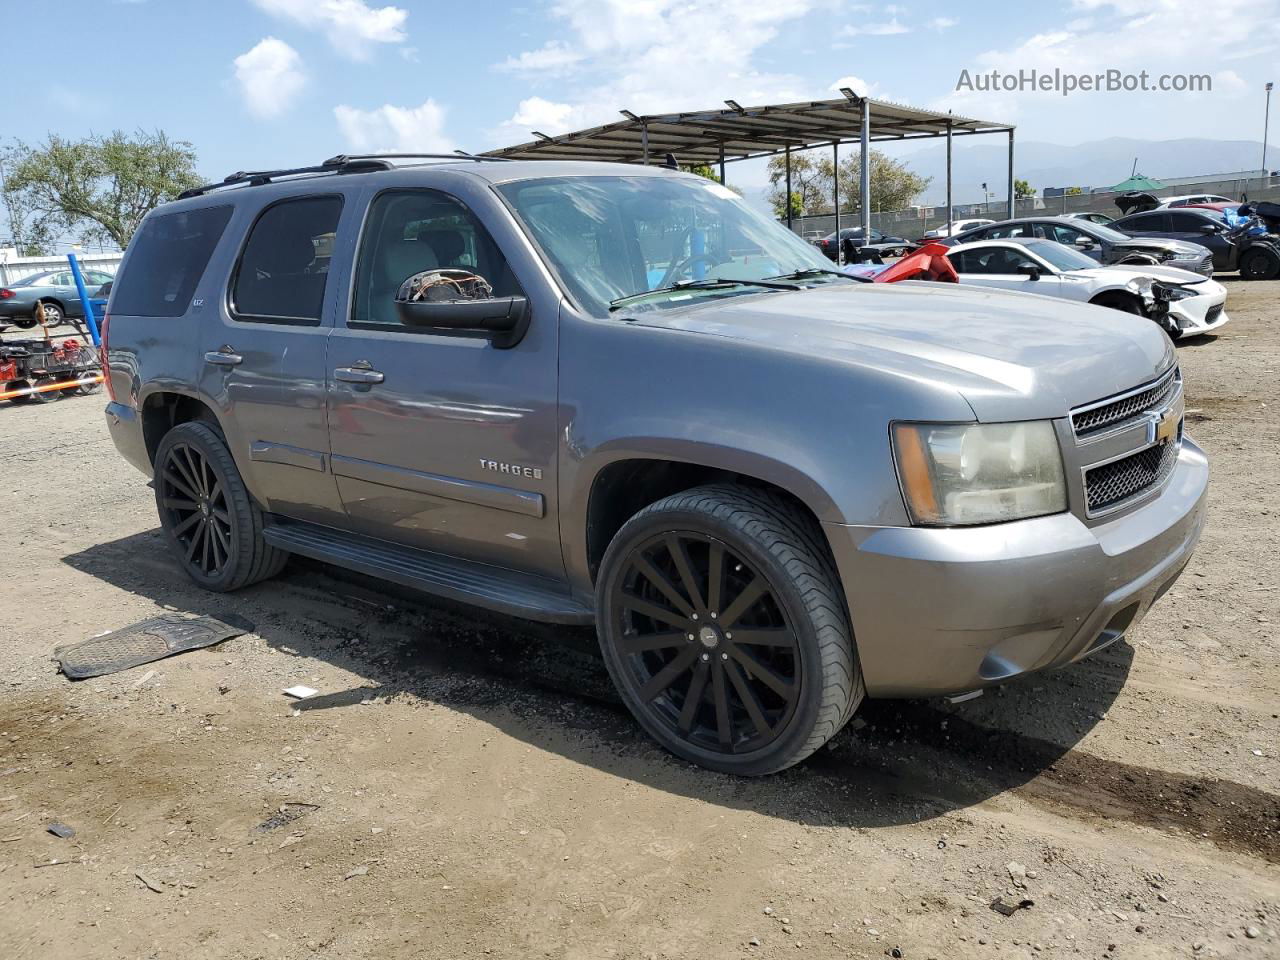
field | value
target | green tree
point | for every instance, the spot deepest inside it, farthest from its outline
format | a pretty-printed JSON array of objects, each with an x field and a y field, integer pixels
[
  {"x": 810, "y": 195},
  {"x": 1023, "y": 190},
  {"x": 894, "y": 186},
  {"x": 708, "y": 171},
  {"x": 101, "y": 187},
  {"x": 32, "y": 235}
]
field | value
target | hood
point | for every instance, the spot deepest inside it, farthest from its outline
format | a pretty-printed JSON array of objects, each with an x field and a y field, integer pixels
[
  {"x": 1181, "y": 247},
  {"x": 1166, "y": 274},
  {"x": 1012, "y": 356}
]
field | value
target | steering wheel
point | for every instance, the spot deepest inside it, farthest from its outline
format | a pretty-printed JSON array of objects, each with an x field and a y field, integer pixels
[{"x": 676, "y": 268}]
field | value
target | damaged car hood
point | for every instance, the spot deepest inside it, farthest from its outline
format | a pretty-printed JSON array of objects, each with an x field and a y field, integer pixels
[{"x": 1012, "y": 356}]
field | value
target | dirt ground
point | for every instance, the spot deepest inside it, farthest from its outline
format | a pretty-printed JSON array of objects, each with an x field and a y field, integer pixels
[{"x": 479, "y": 792}]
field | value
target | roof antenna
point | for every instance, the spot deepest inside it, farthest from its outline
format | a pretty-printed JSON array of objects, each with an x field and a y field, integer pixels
[{"x": 670, "y": 162}]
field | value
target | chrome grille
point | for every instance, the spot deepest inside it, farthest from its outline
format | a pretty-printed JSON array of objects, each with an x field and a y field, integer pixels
[
  {"x": 1114, "y": 482},
  {"x": 1127, "y": 407}
]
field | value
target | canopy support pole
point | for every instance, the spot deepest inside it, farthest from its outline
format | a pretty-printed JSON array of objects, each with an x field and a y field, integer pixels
[
  {"x": 1012, "y": 211},
  {"x": 644, "y": 140},
  {"x": 865, "y": 180},
  {"x": 787, "y": 155},
  {"x": 835, "y": 197},
  {"x": 722, "y": 163},
  {"x": 950, "y": 207}
]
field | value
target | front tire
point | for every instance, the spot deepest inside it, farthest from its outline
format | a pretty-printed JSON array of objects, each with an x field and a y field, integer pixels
[
  {"x": 722, "y": 623},
  {"x": 53, "y": 315},
  {"x": 1260, "y": 264},
  {"x": 213, "y": 527}
]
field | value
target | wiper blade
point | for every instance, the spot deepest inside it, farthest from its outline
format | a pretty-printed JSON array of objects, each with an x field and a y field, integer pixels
[
  {"x": 711, "y": 283},
  {"x": 818, "y": 272}
]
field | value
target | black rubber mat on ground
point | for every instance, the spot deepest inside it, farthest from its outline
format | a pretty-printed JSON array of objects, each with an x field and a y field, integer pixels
[{"x": 143, "y": 642}]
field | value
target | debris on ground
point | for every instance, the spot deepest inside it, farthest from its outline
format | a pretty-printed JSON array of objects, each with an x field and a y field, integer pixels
[
  {"x": 287, "y": 813},
  {"x": 1002, "y": 906},
  {"x": 132, "y": 646},
  {"x": 148, "y": 882},
  {"x": 61, "y": 830},
  {"x": 1017, "y": 873},
  {"x": 359, "y": 871},
  {"x": 300, "y": 692}
]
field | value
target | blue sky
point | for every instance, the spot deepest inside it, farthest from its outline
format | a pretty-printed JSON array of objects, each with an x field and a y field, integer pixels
[{"x": 257, "y": 83}]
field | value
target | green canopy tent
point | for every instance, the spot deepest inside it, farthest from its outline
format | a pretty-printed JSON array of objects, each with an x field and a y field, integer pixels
[{"x": 1137, "y": 183}]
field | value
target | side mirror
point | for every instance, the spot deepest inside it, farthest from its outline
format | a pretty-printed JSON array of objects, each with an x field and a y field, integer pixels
[
  {"x": 1209, "y": 228},
  {"x": 451, "y": 300},
  {"x": 504, "y": 319},
  {"x": 1030, "y": 271},
  {"x": 1084, "y": 243}
]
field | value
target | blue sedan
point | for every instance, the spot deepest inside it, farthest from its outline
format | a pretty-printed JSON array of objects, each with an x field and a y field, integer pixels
[{"x": 56, "y": 289}]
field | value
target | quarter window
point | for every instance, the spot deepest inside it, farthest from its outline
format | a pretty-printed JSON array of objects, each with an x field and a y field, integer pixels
[
  {"x": 411, "y": 231},
  {"x": 285, "y": 263},
  {"x": 167, "y": 257}
]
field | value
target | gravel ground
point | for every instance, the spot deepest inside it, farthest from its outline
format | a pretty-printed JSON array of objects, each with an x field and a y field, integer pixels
[{"x": 475, "y": 790}]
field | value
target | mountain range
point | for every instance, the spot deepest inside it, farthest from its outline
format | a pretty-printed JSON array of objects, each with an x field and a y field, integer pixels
[{"x": 1096, "y": 163}]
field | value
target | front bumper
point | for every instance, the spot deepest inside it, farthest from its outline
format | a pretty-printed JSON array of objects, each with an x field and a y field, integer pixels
[
  {"x": 947, "y": 610},
  {"x": 1197, "y": 315}
]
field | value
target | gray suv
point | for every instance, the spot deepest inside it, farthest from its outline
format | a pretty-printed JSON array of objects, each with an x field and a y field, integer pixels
[{"x": 620, "y": 395}]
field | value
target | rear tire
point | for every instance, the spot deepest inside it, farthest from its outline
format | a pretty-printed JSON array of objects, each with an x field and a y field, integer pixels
[
  {"x": 212, "y": 525},
  {"x": 53, "y": 315},
  {"x": 771, "y": 672},
  {"x": 1260, "y": 263}
]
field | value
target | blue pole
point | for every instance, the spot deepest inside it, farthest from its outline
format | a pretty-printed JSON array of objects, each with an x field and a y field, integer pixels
[{"x": 90, "y": 320}]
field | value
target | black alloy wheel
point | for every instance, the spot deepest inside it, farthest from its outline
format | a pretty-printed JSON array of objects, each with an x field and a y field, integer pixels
[
  {"x": 1260, "y": 263},
  {"x": 195, "y": 504},
  {"x": 722, "y": 624},
  {"x": 213, "y": 526},
  {"x": 707, "y": 645}
]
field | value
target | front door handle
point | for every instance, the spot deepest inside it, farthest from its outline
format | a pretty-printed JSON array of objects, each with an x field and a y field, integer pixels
[
  {"x": 360, "y": 372},
  {"x": 224, "y": 356}
]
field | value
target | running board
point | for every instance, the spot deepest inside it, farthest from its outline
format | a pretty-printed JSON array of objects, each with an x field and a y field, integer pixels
[{"x": 495, "y": 588}]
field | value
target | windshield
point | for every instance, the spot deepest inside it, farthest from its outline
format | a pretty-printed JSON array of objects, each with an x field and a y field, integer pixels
[
  {"x": 1061, "y": 257},
  {"x": 608, "y": 238}
]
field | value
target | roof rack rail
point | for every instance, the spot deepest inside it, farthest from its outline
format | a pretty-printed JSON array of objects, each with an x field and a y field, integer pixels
[
  {"x": 256, "y": 178},
  {"x": 348, "y": 157}
]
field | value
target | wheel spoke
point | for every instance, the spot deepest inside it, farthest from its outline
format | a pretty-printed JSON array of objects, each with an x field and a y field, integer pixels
[
  {"x": 665, "y": 586},
  {"x": 721, "y": 696},
  {"x": 218, "y": 550},
  {"x": 196, "y": 537},
  {"x": 765, "y": 636},
  {"x": 223, "y": 516},
  {"x": 179, "y": 467},
  {"x": 182, "y": 487},
  {"x": 749, "y": 595},
  {"x": 766, "y": 675},
  {"x": 174, "y": 503},
  {"x": 663, "y": 678},
  {"x": 220, "y": 537},
  {"x": 185, "y": 525},
  {"x": 749, "y": 699},
  {"x": 196, "y": 476},
  {"x": 715, "y": 575},
  {"x": 215, "y": 492},
  {"x": 640, "y": 643},
  {"x": 681, "y": 558},
  {"x": 693, "y": 696},
  {"x": 653, "y": 611},
  {"x": 206, "y": 549}
]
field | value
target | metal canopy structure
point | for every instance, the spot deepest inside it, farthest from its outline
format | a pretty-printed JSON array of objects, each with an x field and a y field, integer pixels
[{"x": 741, "y": 133}]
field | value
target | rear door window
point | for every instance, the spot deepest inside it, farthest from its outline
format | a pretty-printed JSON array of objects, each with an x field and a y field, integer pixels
[
  {"x": 167, "y": 257},
  {"x": 284, "y": 265},
  {"x": 1148, "y": 223}
]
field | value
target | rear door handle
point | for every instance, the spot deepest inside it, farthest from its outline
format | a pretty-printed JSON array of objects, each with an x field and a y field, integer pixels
[
  {"x": 358, "y": 374},
  {"x": 224, "y": 356}
]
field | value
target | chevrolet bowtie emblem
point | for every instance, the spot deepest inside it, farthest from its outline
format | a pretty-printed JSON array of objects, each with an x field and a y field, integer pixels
[{"x": 1166, "y": 426}]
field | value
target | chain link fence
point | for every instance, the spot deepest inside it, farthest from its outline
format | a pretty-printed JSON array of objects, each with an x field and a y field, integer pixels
[{"x": 914, "y": 222}]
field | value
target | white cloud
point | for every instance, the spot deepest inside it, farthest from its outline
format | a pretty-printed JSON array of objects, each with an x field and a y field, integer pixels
[
  {"x": 857, "y": 85},
  {"x": 551, "y": 58},
  {"x": 392, "y": 129},
  {"x": 655, "y": 55},
  {"x": 1127, "y": 35},
  {"x": 352, "y": 26},
  {"x": 941, "y": 23},
  {"x": 270, "y": 77},
  {"x": 890, "y": 29}
]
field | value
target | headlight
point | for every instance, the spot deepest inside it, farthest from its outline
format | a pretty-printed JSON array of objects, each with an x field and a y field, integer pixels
[
  {"x": 957, "y": 473},
  {"x": 1165, "y": 291}
]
